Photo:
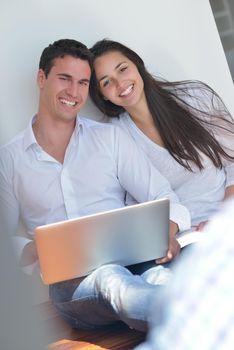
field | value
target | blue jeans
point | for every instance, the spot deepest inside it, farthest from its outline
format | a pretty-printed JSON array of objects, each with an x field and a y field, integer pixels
[{"x": 110, "y": 294}]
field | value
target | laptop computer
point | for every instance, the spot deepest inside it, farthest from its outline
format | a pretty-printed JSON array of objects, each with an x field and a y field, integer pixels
[{"x": 125, "y": 236}]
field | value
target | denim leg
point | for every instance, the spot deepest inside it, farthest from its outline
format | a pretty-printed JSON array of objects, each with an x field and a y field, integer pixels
[
  {"x": 109, "y": 294},
  {"x": 138, "y": 269},
  {"x": 152, "y": 273},
  {"x": 78, "y": 303},
  {"x": 157, "y": 275}
]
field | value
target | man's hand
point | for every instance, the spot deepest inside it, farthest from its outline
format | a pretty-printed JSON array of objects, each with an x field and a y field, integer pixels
[
  {"x": 174, "y": 247},
  {"x": 29, "y": 255}
]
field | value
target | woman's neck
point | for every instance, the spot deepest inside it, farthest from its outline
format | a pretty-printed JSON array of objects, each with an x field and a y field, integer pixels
[
  {"x": 140, "y": 112},
  {"x": 143, "y": 119}
]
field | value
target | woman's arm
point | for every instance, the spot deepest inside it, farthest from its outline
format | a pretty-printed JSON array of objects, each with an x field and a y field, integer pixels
[{"x": 229, "y": 192}]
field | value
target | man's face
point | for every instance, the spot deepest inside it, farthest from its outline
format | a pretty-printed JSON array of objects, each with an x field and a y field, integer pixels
[{"x": 65, "y": 90}]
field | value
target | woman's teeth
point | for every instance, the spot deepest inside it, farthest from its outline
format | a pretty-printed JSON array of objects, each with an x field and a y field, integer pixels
[{"x": 127, "y": 91}]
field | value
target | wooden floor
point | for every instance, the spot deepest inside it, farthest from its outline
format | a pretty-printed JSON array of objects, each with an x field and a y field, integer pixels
[{"x": 62, "y": 337}]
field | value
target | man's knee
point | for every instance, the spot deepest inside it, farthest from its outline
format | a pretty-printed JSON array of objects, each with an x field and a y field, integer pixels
[{"x": 109, "y": 274}]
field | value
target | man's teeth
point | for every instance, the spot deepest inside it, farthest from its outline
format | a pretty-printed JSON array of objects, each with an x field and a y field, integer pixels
[
  {"x": 68, "y": 103},
  {"x": 127, "y": 91}
]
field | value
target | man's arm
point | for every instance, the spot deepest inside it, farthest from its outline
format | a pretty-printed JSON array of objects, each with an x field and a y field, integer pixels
[
  {"x": 9, "y": 211},
  {"x": 29, "y": 254},
  {"x": 9, "y": 208},
  {"x": 144, "y": 182}
]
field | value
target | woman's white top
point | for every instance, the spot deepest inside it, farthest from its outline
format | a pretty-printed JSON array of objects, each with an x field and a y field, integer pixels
[{"x": 200, "y": 191}]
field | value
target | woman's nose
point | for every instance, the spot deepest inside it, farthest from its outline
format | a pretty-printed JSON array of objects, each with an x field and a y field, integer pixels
[{"x": 118, "y": 83}]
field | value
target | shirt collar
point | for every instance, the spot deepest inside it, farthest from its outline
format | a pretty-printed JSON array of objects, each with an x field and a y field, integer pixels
[
  {"x": 29, "y": 137},
  {"x": 79, "y": 125}
]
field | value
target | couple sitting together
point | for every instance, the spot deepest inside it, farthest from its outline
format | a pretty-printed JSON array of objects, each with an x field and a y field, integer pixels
[{"x": 162, "y": 140}]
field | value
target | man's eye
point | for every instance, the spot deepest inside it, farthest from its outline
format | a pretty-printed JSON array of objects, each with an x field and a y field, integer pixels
[
  {"x": 62, "y": 78},
  {"x": 84, "y": 83}
]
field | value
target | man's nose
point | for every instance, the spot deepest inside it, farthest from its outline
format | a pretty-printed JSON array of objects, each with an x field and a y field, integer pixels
[{"x": 73, "y": 89}]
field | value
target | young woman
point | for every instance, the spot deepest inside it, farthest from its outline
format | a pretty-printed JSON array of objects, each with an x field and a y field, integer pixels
[{"x": 183, "y": 127}]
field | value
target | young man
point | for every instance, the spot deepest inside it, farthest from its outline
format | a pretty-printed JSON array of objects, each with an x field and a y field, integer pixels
[{"x": 63, "y": 166}]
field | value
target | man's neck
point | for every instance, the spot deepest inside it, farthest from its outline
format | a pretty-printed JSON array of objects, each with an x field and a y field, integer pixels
[{"x": 53, "y": 136}]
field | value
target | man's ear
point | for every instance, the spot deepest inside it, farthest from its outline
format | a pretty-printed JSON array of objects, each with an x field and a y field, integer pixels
[{"x": 41, "y": 78}]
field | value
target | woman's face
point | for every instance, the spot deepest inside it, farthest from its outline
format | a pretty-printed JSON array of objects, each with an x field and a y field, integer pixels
[{"x": 118, "y": 79}]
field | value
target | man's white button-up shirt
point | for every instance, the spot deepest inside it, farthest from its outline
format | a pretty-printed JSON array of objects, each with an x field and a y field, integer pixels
[{"x": 101, "y": 165}]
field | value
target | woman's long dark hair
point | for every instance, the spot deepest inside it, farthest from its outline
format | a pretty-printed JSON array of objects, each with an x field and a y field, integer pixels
[{"x": 186, "y": 113}]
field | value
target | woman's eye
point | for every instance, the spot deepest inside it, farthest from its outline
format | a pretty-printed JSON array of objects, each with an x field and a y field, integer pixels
[
  {"x": 105, "y": 83},
  {"x": 122, "y": 69}
]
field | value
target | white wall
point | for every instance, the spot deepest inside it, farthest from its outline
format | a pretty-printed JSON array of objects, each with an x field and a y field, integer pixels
[{"x": 177, "y": 39}]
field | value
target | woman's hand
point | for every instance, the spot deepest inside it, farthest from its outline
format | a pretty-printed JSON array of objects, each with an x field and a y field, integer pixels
[
  {"x": 229, "y": 192},
  {"x": 201, "y": 225},
  {"x": 174, "y": 247}
]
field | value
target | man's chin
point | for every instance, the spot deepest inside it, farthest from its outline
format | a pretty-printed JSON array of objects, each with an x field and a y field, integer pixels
[{"x": 68, "y": 117}]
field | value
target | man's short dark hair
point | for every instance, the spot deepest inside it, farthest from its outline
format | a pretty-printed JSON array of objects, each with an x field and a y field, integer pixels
[{"x": 61, "y": 48}]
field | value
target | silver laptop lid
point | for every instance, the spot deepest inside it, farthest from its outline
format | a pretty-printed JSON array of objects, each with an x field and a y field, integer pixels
[{"x": 124, "y": 236}]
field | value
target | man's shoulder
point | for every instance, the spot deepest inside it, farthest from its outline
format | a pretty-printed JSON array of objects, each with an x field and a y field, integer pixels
[
  {"x": 14, "y": 144},
  {"x": 105, "y": 132},
  {"x": 97, "y": 125}
]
